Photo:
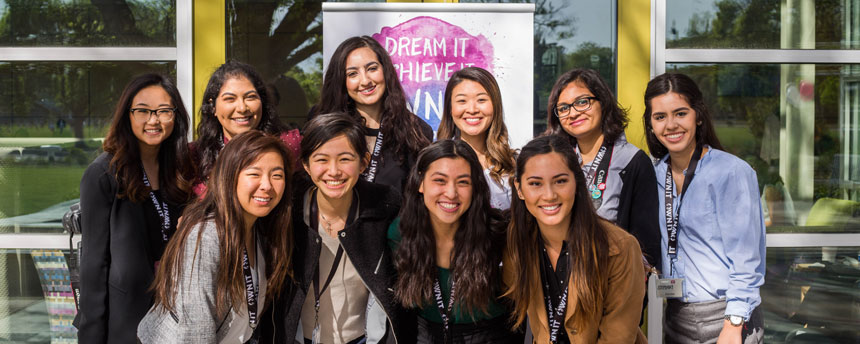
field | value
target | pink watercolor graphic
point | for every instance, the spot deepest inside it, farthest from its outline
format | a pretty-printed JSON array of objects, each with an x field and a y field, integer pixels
[{"x": 425, "y": 52}]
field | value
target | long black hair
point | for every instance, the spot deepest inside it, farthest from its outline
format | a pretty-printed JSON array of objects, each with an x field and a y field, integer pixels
[
  {"x": 684, "y": 86},
  {"x": 397, "y": 122},
  {"x": 477, "y": 252},
  {"x": 613, "y": 119},
  {"x": 209, "y": 131},
  {"x": 175, "y": 172}
]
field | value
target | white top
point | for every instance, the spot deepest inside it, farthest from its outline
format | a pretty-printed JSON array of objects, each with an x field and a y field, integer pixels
[{"x": 500, "y": 194}]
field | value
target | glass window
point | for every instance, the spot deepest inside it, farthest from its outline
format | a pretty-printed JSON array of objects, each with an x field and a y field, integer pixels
[
  {"x": 88, "y": 24},
  {"x": 798, "y": 126},
  {"x": 765, "y": 24},
  {"x": 52, "y": 119}
]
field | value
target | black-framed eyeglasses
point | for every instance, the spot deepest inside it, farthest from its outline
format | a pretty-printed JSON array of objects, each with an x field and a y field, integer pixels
[
  {"x": 562, "y": 110},
  {"x": 143, "y": 114}
]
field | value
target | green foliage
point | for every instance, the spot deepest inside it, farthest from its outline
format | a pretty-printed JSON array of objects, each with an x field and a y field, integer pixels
[{"x": 311, "y": 81}]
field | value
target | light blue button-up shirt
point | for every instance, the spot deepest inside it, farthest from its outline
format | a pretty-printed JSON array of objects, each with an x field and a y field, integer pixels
[{"x": 721, "y": 233}]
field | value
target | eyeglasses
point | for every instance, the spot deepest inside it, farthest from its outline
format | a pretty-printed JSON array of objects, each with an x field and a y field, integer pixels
[
  {"x": 580, "y": 104},
  {"x": 143, "y": 115}
]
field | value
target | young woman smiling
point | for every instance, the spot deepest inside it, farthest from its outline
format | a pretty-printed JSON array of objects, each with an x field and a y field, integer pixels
[
  {"x": 235, "y": 100},
  {"x": 576, "y": 276},
  {"x": 713, "y": 230},
  {"x": 231, "y": 255},
  {"x": 344, "y": 270},
  {"x": 131, "y": 196},
  {"x": 448, "y": 245},
  {"x": 473, "y": 113},
  {"x": 618, "y": 175},
  {"x": 361, "y": 81}
]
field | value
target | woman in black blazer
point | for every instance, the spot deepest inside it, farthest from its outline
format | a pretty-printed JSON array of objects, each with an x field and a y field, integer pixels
[{"x": 131, "y": 197}]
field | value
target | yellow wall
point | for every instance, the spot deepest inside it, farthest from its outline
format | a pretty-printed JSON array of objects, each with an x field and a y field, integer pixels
[
  {"x": 209, "y": 46},
  {"x": 634, "y": 63}
]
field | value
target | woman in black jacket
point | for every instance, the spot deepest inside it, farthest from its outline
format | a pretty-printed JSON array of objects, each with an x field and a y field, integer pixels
[
  {"x": 131, "y": 197},
  {"x": 343, "y": 265}
]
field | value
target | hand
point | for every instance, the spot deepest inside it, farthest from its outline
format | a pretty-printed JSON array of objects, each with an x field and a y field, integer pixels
[{"x": 730, "y": 334}]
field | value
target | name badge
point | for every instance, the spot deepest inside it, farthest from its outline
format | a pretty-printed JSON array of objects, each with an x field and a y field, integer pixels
[{"x": 670, "y": 288}]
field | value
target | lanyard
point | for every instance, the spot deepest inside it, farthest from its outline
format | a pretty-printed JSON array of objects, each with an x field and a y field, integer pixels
[
  {"x": 373, "y": 167},
  {"x": 672, "y": 217},
  {"x": 251, "y": 289},
  {"x": 160, "y": 208},
  {"x": 444, "y": 312},
  {"x": 595, "y": 178},
  {"x": 555, "y": 315}
]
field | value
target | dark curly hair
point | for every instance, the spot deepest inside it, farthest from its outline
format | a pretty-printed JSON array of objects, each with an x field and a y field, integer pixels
[{"x": 613, "y": 119}]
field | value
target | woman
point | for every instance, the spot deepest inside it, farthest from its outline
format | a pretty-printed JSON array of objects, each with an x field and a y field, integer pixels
[
  {"x": 235, "y": 100},
  {"x": 713, "y": 249},
  {"x": 345, "y": 271},
  {"x": 131, "y": 196},
  {"x": 361, "y": 81},
  {"x": 473, "y": 113},
  {"x": 447, "y": 246},
  {"x": 617, "y": 174},
  {"x": 578, "y": 277},
  {"x": 232, "y": 252}
]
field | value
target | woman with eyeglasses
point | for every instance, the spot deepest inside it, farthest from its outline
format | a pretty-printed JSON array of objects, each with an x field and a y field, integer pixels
[
  {"x": 711, "y": 220},
  {"x": 473, "y": 113},
  {"x": 235, "y": 100},
  {"x": 131, "y": 197},
  {"x": 618, "y": 175}
]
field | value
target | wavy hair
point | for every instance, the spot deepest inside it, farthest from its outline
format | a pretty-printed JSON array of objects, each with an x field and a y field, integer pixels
[
  {"x": 499, "y": 152},
  {"x": 587, "y": 241},
  {"x": 209, "y": 130},
  {"x": 684, "y": 86},
  {"x": 175, "y": 172},
  {"x": 398, "y": 123},
  {"x": 613, "y": 119},
  {"x": 477, "y": 243},
  {"x": 221, "y": 206}
]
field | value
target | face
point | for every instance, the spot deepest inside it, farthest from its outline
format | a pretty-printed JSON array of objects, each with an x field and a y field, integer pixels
[
  {"x": 447, "y": 190},
  {"x": 335, "y": 167},
  {"x": 580, "y": 123},
  {"x": 238, "y": 107},
  {"x": 261, "y": 185},
  {"x": 548, "y": 189},
  {"x": 153, "y": 131},
  {"x": 673, "y": 122},
  {"x": 471, "y": 108},
  {"x": 365, "y": 81}
]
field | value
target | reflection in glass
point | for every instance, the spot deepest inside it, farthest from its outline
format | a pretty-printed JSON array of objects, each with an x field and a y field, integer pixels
[
  {"x": 798, "y": 126},
  {"x": 763, "y": 24},
  {"x": 52, "y": 119},
  {"x": 88, "y": 24}
]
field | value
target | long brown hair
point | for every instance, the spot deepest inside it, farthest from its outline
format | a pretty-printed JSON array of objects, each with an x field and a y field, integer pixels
[
  {"x": 587, "y": 241},
  {"x": 175, "y": 172},
  {"x": 477, "y": 242},
  {"x": 221, "y": 206},
  {"x": 499, "y": 152}
]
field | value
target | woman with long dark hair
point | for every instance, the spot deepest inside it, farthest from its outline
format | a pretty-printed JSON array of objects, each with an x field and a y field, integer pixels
[
  {"x": 447, "y": 245},
  {"x": 712, "y": 224},
  {"x": 235, "y": 100},
  {"x": 618, "y": 175},
  {"x": 361, "y": 81},
  {"x": 577, "y": 277},
  {"x": 131, "y": 197},
  {"x": 473, "y": 113},
  {"x": 232, "y": 253}
]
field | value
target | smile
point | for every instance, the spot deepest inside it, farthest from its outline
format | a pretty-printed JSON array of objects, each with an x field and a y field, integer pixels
[
  {"x": 578, "y": 122},
  {"x": 473, "y": 120},
  {"x": 335, "y": 184},
  {"x": 550, "y": 209},
  {"x": 152, "y": 131},
  {"x": 674, "y": 137},
  {"x": 449, "y": 206},
  {"x": 242, "y": 120},
  {"x": 367, "y": 91},
  {"x": 263, "y": 200}
]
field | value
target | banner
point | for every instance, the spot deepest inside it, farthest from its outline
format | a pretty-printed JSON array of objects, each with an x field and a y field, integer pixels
[{"x": 428, "y": 42}]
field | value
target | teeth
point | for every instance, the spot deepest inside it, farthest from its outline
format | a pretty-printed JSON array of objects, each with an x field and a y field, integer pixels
[
  {"x": 674, "y": 136},
  {"x": 368, "y": 90},
  {"x": 551, "y": 207},
  {"x": 334, "y": 182},
  {"x": 242, "y": 119},
  {"x": 153, "y": 130},
  {"x": 262, "y": 199},
  {"x": 473, "y": 121},
  {"x": 447, "y": 205}
]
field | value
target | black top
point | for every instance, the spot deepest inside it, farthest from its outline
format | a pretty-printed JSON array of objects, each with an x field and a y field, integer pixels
[
  {"x": 394, "y": 170},
  {"x": 153, "y": 224},
  {"x": 638, "y": 206},
  {"x": 556, "y": 285}
]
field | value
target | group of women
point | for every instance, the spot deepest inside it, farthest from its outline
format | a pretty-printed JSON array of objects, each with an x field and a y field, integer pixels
[{"x": 360, "y": 230}]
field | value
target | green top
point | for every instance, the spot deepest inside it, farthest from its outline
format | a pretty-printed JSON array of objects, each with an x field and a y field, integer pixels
[{"x": 430, "y": 311}]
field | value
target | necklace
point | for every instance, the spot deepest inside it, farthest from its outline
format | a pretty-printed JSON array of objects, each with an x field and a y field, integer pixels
[{"x": 326, "y": 224}]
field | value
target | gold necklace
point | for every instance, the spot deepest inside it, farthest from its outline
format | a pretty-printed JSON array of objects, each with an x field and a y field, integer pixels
[{"x": 326, "y": 224}]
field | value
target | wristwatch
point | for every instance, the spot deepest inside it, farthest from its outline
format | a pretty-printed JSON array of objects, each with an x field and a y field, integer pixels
[{"x": 735, "y": 320}]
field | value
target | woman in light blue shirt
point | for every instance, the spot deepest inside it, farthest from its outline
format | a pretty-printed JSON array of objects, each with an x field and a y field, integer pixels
[{"x": 712, "y": 231}]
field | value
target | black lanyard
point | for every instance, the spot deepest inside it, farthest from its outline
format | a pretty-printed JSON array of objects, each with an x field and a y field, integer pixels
[
  {"x": 251, "y": 289},
  {"x": 555, "y": 315},
  {"x": 595, "y": 178},
  {"x": 672, "y": 217},
  {"x": 445, "y": 312},
  {"x": 160, "y": 208},
  {"x": 370, "y": 173}
]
